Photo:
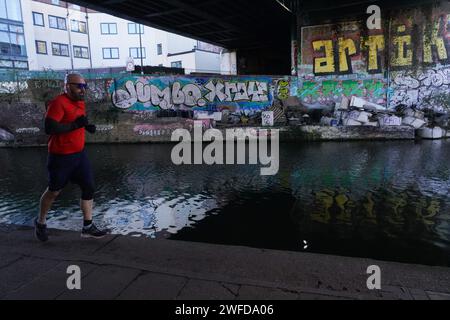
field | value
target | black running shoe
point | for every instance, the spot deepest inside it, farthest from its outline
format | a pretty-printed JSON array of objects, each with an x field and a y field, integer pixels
[
  {"x": 92, "y": 231},
  {"x": 40, "y": 231}
]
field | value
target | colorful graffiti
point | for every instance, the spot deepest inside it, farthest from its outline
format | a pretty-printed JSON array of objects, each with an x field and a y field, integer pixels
[
  {"x": 283, "y": 89},
  {"x": 317, "y": 93},
  {"x": 156, "y": 93},
  {"x": 407, "y": 64},
  {"x": 343, "y": 49}
]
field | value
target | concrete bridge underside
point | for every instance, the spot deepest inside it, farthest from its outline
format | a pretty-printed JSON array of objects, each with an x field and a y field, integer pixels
[{"x": 261, "y": 31}]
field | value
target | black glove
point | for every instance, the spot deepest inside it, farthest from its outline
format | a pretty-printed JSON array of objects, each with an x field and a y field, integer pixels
[
  {"x": 91, "y": 128},
  {"x": 81, "y": 122}
]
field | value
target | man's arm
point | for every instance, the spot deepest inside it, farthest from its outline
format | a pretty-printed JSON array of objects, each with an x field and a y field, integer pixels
[{"x": 54, "y": 127}]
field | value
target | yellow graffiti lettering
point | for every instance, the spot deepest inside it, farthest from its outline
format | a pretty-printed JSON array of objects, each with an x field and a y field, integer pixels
[
  {"x": 430, "y": 211},
  {"x": 433, "y": 39},
  {"x": 283, "y": 91},
  {"x": 324, "y": 201},
  {"x": 421, "y": 204},
  {"x": 342, "y": 201},
  {"x": 346, "y": 49},
  {"x": 375, "y": 44},
  {"x": 369, "y": 208},
  {"x": 324, "y": 64},
  {"x": 403, "y": 53},
  {"x": 396, "y": 205},
  {"x": 433, "y": 209}
]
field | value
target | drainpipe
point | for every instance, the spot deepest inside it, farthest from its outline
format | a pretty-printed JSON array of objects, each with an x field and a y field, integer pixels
[
  {"x": 294, "y": 40},
  {"x": 221, "y": 63},
  {"x": 70, "y": 38},
  {"x": 89, "y": 37},
  {"x": 388, "y": 67},
  {"x": 140, "y": 49}
]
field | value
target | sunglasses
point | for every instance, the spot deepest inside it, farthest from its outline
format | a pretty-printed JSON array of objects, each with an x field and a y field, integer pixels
[{"x": 80, "y": 85}]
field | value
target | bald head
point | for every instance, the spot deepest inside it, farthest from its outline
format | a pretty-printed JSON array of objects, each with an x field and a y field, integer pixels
[{"x": 75, "y": 87}]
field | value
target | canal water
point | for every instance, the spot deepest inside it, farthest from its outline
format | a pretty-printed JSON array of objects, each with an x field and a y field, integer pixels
[{"x": 382, "y": 200}]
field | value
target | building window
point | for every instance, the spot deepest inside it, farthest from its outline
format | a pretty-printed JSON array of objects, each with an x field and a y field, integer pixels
[
  {"x": 5, "y": 45},
  {"x": 6, "y": 64},
  {"x": 177, "y": 64},
  {"x": 134, "y": 52},
  {"x": 133, "y": 28},
  {"x": 15, "y": 28},
  {"x": 11, "y": 10},
  {"x": 108, "y": 28},
  {"x": 55, "y": 2},
  {"x": 41, "y": 47},
  {"x": 59, "y": 49},
  {"x": 78, "y": 26},
  {"x": 38, "y": 19},
  {"x": 13, "y": 64},
  {"x": 4, "y": 16},
  {"x": 110, "y": 53},
  {"x": 80, "y": 52},
  {"x": 57, "y": 23},
  {"x": 12, "y": 40},
  {"x": 20, "y": 64},
  {"x": 159, "y": 49}
]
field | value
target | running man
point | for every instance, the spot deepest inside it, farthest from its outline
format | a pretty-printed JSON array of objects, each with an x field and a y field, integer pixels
[{"x": 66, "y": 123}]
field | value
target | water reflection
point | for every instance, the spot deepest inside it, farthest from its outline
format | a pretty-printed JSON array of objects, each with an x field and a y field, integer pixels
[{"x": 386, "y": 200}]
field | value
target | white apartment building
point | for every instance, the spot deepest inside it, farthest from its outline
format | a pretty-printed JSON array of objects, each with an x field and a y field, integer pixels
[
  {"x": 56, "y": 35},
  {"x": 116, "y": 40}
]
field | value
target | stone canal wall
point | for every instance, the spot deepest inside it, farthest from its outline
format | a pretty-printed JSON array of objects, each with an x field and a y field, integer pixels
[{"x": 325, "y": 133}]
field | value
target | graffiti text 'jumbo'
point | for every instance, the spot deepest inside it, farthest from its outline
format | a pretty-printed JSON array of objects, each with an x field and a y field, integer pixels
[{"x": 191, "y": 95}]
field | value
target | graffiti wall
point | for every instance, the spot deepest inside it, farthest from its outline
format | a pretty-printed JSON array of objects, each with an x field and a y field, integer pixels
[
  {"x": 425, "y": 88},
  {"x": 404, "y": 62},
  {"x": 138, "y": 109},
  {"x": 135, "y": 93}
]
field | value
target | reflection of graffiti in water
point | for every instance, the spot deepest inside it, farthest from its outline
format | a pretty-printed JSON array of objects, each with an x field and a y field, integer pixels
[
  {"x": 393, "y": 212},
  {"x": 331, "y": 206}
]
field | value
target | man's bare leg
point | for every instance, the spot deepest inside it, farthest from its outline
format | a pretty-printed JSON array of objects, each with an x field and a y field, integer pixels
[
  {"x": 86, "y": 208},
  {"x": 46, "y": 203}
]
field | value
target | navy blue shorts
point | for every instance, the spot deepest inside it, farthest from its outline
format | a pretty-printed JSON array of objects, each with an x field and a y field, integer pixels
[{"x": 75, "y": 168}]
